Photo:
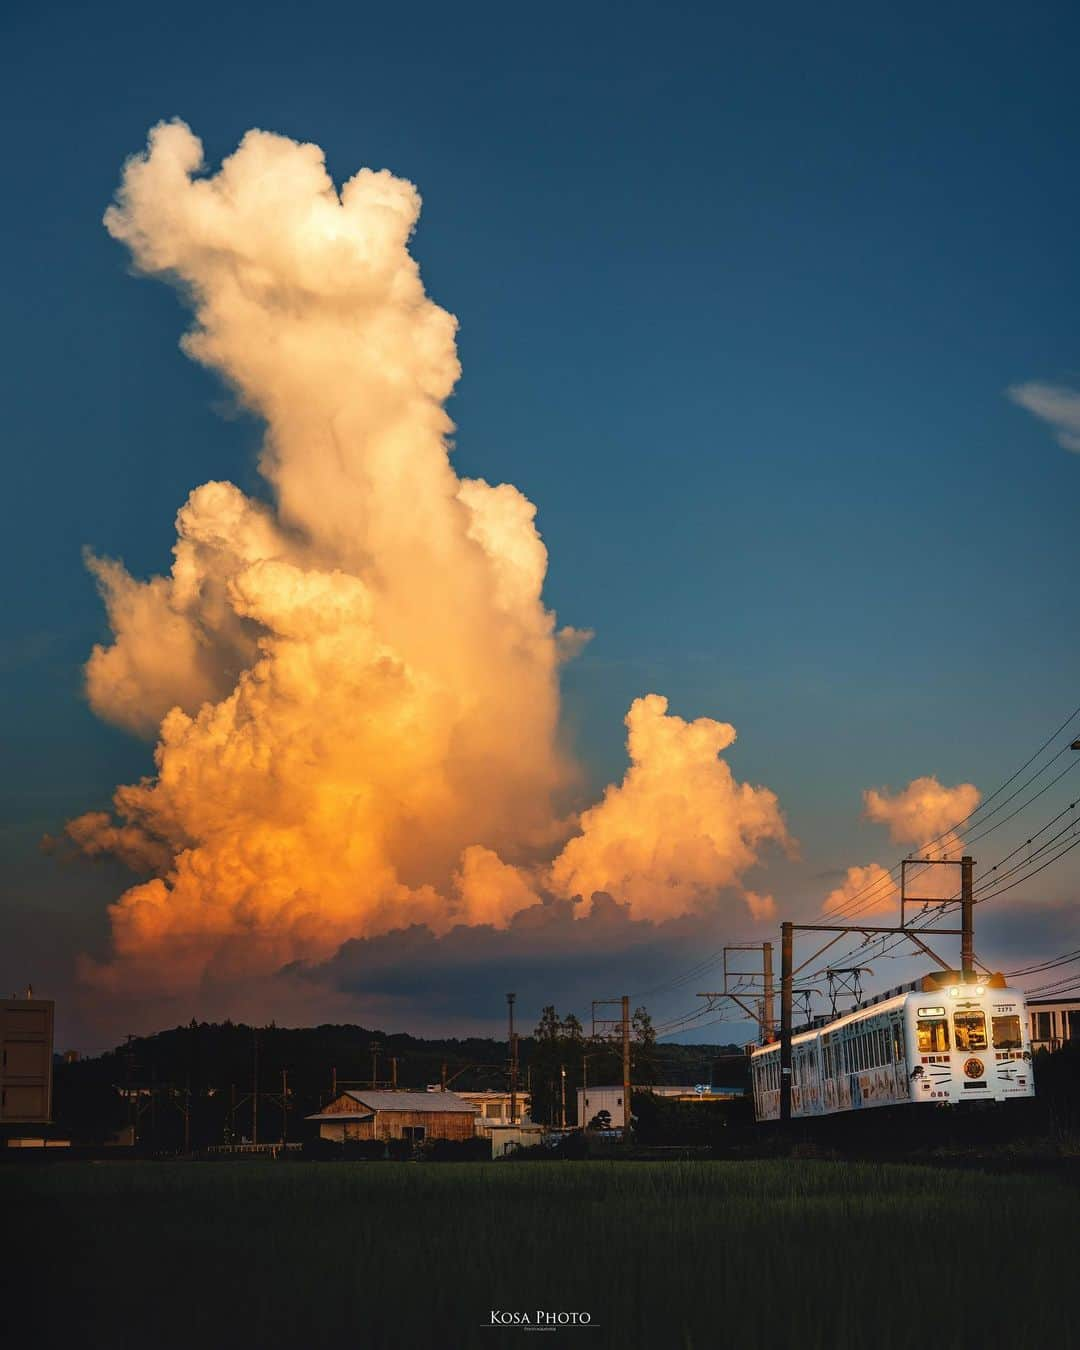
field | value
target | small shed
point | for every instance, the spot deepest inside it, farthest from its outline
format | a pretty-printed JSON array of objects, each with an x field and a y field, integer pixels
[{"x": 396, "y": 1115}]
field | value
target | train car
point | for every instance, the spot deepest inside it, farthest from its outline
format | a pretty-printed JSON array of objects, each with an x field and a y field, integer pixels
[{"x": 939, "y": 1041}]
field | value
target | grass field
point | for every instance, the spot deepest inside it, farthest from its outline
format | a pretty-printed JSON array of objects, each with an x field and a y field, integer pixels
[{"x": 686, "y": 1255}]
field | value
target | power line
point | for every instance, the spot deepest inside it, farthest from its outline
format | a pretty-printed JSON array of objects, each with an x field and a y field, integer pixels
[
  {"x": 1028, "y": 875},
  {"x": 997, "y": 791},
  {"x": 1067, "y": 958},
  {"x": 1034, "y": 797}
]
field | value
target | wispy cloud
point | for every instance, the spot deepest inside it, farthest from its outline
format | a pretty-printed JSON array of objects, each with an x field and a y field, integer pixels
[{"x": 1055, "y": 404}]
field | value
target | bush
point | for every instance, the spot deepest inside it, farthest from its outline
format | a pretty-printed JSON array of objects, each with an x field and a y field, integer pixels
[{"x": 458, "y": 1150}]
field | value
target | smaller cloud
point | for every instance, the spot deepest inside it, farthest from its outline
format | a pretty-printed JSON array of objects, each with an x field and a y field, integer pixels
[
  {"x": 761, "y": 907},
  {"x": 924, "y": 813},
  {"x": 873, "y": 884},
  {"x": 1053, "y": 403}
]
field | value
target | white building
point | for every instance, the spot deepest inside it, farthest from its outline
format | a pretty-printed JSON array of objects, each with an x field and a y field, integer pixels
[
  {"x": 1053, "y": 1022},
  {"x": 493, "y": 1107}
]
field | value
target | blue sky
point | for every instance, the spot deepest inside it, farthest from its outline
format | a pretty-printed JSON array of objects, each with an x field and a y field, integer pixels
[{"x": 741, "y": 295}]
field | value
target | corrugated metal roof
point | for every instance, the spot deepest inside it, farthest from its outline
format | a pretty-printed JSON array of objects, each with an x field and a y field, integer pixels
[{"x": 411, "y": 1101}]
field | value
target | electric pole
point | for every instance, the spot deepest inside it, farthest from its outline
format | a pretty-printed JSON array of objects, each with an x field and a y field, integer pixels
[
  {"x": 768, "y": 1021},
  {"x": 374, "y": 1048},
  {"x": 562, "y": 1090},
  {"x": 787, "y": 981},
  {"x": 510, "y": 1000},
  {"x": 626, "y": 1067},
  {"x": 255, "y": 1090},
  {"x": 762, "y": 1009},
  {"x": 967, "y": 925}
]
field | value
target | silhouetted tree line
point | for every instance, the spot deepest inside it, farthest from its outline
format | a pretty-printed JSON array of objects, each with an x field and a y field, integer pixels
[
  {"x": 1057, "y": 1086},
  {"x": 206, "y": 1071}
]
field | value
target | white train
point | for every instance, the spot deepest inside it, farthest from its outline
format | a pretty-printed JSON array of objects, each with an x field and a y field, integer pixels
[{"x": 937, "y": 1041}]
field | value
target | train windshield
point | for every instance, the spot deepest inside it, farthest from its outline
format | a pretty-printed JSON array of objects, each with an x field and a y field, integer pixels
[
  {"x": 970, "y": 1030},
  {"x": 932, "y": 1035},
  {"x": 1006, "y": 1033}
]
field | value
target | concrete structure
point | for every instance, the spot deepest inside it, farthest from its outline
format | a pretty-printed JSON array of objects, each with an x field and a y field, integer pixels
[
  {"x": 509, "y": 1138},
  {"x": 415, "y": 1116},
  {"x": 26, "y": 1051},
  {"x": 592, "y": 1100},
  {"x": 1053, "y": 1022},
  {"x": 493, "y": 1108}
]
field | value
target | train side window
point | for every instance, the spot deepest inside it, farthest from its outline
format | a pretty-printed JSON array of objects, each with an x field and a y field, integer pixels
[
  {"x": 970, "y": 1028},
  {"x": 931, "y": 1035},
  {"x": 1006, "y": 1032}
]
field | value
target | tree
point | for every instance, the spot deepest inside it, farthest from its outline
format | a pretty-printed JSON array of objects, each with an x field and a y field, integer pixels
[
  {"x": 549, "y": 1028},
  {"x": 642, "y": 1026},
  {"x": 558, "y": 1045}
]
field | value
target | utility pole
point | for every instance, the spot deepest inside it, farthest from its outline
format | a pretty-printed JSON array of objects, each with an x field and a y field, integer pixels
[
  {"x": 562, "y": 1089},
  {"x": 187, "y": 1116},
  {"x": 442, "y": 1079},
  {"x": 768, "y": 1021},
  {"x": 133, "y": 1119},
  {"x": 374, "y": 1048},
  {"x": 967, "y": 924},
  {"x": 393, "y": 1071},
  {"x": 626, "y": 1067},
  {"x": 787, "y": 981},
  {"x": 284, "y": 1106},
  {"x": 510, "y": 1000},
  {"x": 762, "y": 1009},
  {"x": 255, "y": 1091}
]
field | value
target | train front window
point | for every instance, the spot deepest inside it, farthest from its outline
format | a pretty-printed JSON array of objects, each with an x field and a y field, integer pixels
[
  {"x": 1006, "y": 1033},
  {"x": 970, "y": 1028},
  {"x": 932, "y": 1035}
]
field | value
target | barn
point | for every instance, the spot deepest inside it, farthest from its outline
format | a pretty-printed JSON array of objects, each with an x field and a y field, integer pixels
[{"x": 415, "y": 1116}]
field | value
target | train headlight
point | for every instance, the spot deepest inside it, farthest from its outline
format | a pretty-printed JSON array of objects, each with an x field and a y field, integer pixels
[{"x": 954, "y": 992}]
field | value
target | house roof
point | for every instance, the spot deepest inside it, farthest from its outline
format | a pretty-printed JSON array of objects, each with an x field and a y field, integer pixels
[
  {"x": 411, "y": 1101},
  {"x": 342, "y": 1116}
]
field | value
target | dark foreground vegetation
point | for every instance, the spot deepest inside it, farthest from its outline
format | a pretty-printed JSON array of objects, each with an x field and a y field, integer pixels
[{"x": 682, "y": 1255}]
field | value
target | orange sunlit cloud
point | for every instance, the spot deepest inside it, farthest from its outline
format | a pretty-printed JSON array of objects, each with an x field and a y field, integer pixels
[
  {"x": 923, "y": 816},
  {"x": 354, "y": 692}
]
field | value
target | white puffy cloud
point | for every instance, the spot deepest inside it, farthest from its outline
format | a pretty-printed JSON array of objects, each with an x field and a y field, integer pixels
[{"x": 1053, "y": 403}]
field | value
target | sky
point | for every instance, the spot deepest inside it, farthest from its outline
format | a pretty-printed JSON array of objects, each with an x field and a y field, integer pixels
[{"x": 772, "y": 317}]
